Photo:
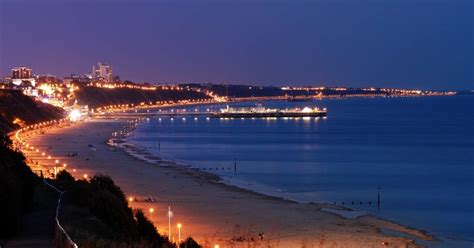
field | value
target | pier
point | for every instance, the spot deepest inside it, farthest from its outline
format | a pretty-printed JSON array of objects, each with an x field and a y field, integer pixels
[
  {"x": 260, "y": 112},
  {"x": 257, "y": 112},
  {"x": 268, "y": 114}
]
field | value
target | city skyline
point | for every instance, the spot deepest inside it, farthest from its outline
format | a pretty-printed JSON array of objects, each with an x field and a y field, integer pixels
[{"x": 299, "y": 43}]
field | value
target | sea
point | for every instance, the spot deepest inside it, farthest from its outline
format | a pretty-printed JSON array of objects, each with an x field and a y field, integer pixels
[{"x": 415, "y": 153}]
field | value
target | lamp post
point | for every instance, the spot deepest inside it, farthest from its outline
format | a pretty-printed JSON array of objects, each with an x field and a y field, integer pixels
[
  {"x": 56, "y": 162},
  {"x": 170, "y": 215},
  {"x": 151, "y": 210},
  {"x": 179, "y": 233}
]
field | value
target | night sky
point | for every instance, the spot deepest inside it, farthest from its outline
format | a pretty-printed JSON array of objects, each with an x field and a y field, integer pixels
[{"x": 407, "y": 43}]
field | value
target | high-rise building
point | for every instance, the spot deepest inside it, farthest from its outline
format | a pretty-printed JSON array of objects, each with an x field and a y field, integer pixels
[
  {"x": 103, "y": 72},
  {"x": 22, "y": 73}
]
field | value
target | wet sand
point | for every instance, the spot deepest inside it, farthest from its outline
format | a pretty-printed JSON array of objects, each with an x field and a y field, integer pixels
[{"x": 212, "y": 212}]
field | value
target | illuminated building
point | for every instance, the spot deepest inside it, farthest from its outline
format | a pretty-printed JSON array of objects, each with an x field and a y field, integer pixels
[
  {"x": 102, "y": 72},
  {"x": 83, "y": 79},
  {"x": 48, "y": 78},
  {"x": 20, "y": 74}
]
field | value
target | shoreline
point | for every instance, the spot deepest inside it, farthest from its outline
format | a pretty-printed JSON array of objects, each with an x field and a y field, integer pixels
[
  {"x": 333, "y": 227},
  {"x": 324, "y": 206}
]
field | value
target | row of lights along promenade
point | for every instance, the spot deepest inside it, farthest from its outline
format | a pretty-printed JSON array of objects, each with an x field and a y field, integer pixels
[{"x": 46, "y": 165}]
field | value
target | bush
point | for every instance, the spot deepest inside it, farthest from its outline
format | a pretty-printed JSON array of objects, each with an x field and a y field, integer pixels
[
  {"x": 189, "y": 243},
  {"x": 106, "y": 202},
  {"x": 64, "y": 180},
  {"x": 79, "y": 192},
  {"x": 17, "y": 187},
  {"x": 145, "y": 228},
  {"x": 106, "y": 206},
  {"x": 99, "y": 182}
]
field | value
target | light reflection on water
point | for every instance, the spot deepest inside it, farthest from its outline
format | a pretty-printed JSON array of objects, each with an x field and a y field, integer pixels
[{"x": 419, "y": 150}]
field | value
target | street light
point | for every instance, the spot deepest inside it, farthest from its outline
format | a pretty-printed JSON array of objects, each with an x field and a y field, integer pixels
[
  {"x": 151, "y": 210},
  {"x": 179, "y": 232},
  {"x": 216, "y": 246}
]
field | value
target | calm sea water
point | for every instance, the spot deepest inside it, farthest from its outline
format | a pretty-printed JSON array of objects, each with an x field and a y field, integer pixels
[{"x": 420, "y": 151}]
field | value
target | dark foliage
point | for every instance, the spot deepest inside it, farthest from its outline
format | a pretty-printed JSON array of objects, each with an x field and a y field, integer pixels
[
  {"x": 239, "y": 90},
  {"x": 64, "y": 179},
  {"x": 79, "y": 193},
  {"x": 101, "y": 182},
  {"x": 98, "y": 97},
  {"x": 145, "y": 227},
  {"x": 108, "y": 205},
  {"x": 13, "y": 104},
  {"x": 17, "y": 184},
  {"x": 189, "y": 243}
]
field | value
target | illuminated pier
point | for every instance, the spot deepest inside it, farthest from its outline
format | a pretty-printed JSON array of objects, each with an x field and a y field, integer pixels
[
  {"x": 261, "y": 112},
  {"x": 229, "y": 112}
]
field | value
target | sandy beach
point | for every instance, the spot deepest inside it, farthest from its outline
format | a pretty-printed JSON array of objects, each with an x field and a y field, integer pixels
[{"x": 210, "y": 211}]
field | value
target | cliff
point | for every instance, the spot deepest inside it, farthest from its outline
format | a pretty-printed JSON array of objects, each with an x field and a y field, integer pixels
[
  {"x": 97, "y": 97},
  {"x": 17, "y": 109}
]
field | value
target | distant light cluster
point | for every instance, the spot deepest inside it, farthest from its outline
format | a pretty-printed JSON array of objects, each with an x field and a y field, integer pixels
[
  {"x": 371, "y": 91},
  {"x": 120, "y": 86}
]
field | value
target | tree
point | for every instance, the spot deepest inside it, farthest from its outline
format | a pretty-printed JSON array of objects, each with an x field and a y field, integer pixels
[
  {"x": 17, "y": 185},
  {"x": 64, "y": 180},
  {"x": 189, "y": 243},
  {"x": 145, "y": 227},
  {"x": 105, "y": 182},
  {"x": 106, "y": 206}
]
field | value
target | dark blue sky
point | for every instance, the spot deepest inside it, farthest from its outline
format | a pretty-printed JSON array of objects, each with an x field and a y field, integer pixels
[{"x": 393, "y": 43}]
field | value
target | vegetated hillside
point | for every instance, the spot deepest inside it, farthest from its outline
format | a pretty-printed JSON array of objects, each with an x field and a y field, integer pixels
[
  {"x": 96, "y": 97},
  {"x": 17, "y": 186},
  {"x": 239, "y": 90},
  {"x": 95, "y": 213},
  {"x": 235, "y": 91},
  {"x": 13, "y": 104}
]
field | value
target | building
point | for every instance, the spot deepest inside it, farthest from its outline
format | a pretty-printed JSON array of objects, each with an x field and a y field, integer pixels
[
  {"x": 22, "y": 74},
  {"x": 5, "y": 80},
  {"x": 102, "y": 72},
  {"x": 81, "y": 79},
  {"x": 48, "y": 78}
]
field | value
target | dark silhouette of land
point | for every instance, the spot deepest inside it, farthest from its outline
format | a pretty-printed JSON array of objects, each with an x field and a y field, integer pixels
[{"x": 36, "y": 227}]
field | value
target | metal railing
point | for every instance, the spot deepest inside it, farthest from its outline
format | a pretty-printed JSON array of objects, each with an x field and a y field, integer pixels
[{"x": 61, "y": 238}]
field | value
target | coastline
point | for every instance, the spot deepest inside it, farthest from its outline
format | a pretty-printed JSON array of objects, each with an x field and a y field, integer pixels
[
  {"x": 234, "y": 211},
  {"x": 346, "y": 212}
]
